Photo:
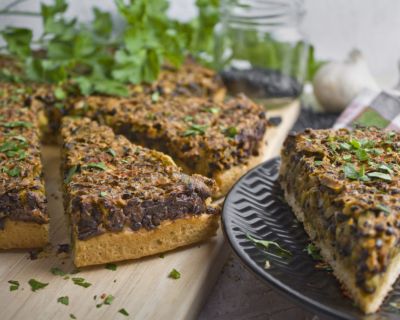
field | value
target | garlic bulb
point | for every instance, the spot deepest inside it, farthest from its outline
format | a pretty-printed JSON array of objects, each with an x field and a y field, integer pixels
[{"x": 336, "y": 84}]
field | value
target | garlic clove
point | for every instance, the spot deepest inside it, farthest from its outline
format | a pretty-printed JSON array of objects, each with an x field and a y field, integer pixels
[{"x": 336, "y": 84}]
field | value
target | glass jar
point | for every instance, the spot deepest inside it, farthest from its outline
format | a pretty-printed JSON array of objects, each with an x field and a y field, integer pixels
[{"x": 260, "y": 50}]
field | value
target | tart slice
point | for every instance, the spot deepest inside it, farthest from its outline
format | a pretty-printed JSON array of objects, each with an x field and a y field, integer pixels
[
  {"x": 217, "y": 140},
  {"x": 127, "y": 202},
  {"x": 23, "y": 216},
  {"x": 345, "y": 186}
]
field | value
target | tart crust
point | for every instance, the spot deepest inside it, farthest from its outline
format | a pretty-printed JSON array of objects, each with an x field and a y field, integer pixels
[
  {"x": 128, "y": 244},
  {"x": 23, "y": 235}
]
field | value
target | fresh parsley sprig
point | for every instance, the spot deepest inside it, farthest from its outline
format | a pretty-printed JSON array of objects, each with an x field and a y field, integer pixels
[{"x": 96, "y": 58}]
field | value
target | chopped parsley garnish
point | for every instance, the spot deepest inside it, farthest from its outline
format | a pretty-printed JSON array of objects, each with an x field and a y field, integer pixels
[
  {"x": 14, "y": 149},
  {"x": 103, "y": 194},
  {"x": 385, "y": 167},
  {"x": 124, "y": 312},
  {"x": 109, "y": 299},
  {"x": 37, "y": 285},
  {"x": 213, "y": 110},
  {"x": 111, "y": 266},
  {"x": 362, "y": 155},
  {"x": 155, "y": 96},
  {"x": 57, "y": 272},
  {"x": 161, "y": 255},
  {"x": 345, "y": 146},
  {"x": 174, "y": 274},
  {"x": 63, "y": 300},
  {"x": 346, "y": 157},
  {"x": 195, "y": 129},
  {"x": 14, "y": 172},
  {"x": 70, "y": 174},
  {"x": 313, "y": 251},
  {"x": 59, "y": 93},
  {"x": 188, "y": 119},
  {"x": 71, "y": 315},
  {"x": 14, "y": 285},
  {"x": 230, "y": 132},
  {"x": 267, "y": 244},
  {"x": 352, "y": 173},
  {"x": 111, "y": 152},
  {"x": 97, "y": 165},
  {"x": 318, "y": 163},
  {"x": 15, "y": 124},
  {"x": 383, "y": 208},
  {"x": 81, "y": 282},
  {"x": 379, "y": 175}
]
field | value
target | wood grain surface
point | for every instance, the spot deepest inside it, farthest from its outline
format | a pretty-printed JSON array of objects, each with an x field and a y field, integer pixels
[{"x": 141, "y": 287}]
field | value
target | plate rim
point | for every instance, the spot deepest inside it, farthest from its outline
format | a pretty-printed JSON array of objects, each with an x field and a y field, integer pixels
[{"x": 306, "y": 302}]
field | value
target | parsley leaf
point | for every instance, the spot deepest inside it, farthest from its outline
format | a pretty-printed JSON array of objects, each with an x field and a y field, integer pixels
[
  {"x": 195, "y": 129},
  {"x": 230, "y": 132},
  {"x": 37, "y": 285},
  {"x": 111, "y": 266},
  {"x": 313, "y": 251},
  {"x": 71, "y": 173},
  {"x": 81, "y": 282},
  {"x": 97, "y": 165},
  {"x": 379, "y": 175},
  {"x": 15, "y": 124},
  {"x": 174, "y": 274},
  {"x": 383, "y": 208},
  {"x": 64, "y": 300},
  {"x": 111, "y": 152},
  {"x": 14, "y": 285},
  {"x": 57, "y": 272},
  {"x": 124, "y": 312},
  {"x": 109, "y": 299},
  {"x": 267, "y": 244}
]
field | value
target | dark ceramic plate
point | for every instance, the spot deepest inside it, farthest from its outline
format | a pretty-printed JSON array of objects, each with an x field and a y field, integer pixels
[{"x": 255, "y": 207}]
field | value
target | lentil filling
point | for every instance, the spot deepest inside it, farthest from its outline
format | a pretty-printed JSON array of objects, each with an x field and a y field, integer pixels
[{"x": 111, "y": 184}]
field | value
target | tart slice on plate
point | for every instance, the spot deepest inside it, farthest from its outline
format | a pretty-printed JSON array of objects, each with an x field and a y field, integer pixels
[
  {"x": 24, "y": 221},
  {"x": 217, "y": 140},
  {"x": 344, "y": 186},
  {"x": 126, "y": 201}
]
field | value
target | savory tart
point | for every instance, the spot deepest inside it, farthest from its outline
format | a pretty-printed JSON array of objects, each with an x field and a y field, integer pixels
[
  {"x": 190, "y": 80},
  {"x": 217, "y": 140},
  {"x": 23, "y": 216},
  {"x": 344, "y": 186},
  {"x": 126, "y": 201}
]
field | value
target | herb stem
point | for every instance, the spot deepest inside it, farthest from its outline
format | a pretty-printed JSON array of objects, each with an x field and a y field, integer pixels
[{"x": 20, "y": 13}]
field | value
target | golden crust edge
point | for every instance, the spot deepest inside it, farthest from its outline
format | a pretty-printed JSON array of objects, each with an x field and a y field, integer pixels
[
  {"x": 128, "y": 244},
  {"x": 226, "y": 179},
  {"x": 367, "y": 303},
  {"x": 23, "y": 235}
]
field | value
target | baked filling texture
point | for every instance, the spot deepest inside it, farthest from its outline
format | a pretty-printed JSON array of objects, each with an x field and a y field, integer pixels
[
  {"x": 23, "y": 214},
  {"x": 126, "y": 201},
  {"x": 201, "y": 135},
  {"x": 344, "y": 186},
  {"x": 190, "y": 80}
]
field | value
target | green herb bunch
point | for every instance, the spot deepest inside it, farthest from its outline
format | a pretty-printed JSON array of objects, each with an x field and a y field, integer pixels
[{"x": 96, "y": 58}]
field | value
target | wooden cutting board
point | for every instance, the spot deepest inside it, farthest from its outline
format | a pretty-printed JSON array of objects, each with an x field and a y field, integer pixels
[{"x": 141, "y": 287}]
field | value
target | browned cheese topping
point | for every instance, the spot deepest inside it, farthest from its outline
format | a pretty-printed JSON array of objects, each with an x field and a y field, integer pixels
[
  {"x": 202, "y": 136},
  {"x": 111, "y": 183},
  {"x": 352, "y": 181},
  {"x": 22, "y": 194}
]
